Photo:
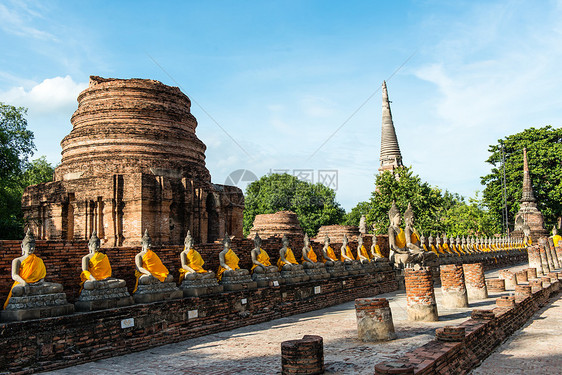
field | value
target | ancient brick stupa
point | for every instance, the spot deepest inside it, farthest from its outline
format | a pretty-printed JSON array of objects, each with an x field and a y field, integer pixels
[
  {"x": 276, "y": 225},
  {"x": 133, "y": 162},
  {"x": 336, "y": 232},
  {"x": 528, "y": 210},
  {"x": 390, "y": 158}
]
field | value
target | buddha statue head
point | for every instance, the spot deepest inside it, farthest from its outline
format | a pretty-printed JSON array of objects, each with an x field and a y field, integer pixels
[
  {"x": 306, "y": 240},
  {"x": 463, "y": 240},
  {"x": 257, "y": 241},
  {"x": 362, "y": 224},
  {"x": 437, "y": 242},
  {"x": 360, "y": 240},
  {"x": 94, "y": 243},
  {"x": 430, "y": 240},
  {"x": 344, "y": 241},
  {"x": 409, "y": 216},
  {"x": 554, "y": 231},
  {"x": 374, "y": 239},
  {"x": 146, "y": 242},
  {"x": 226, "y": 241},
  {"x": 327, "y": 241},
  {"x": 285, "y": 241},
  {"x": 422, "y": 240},
  {"x": 458, "y": 240},
  {"x": 188, "y": 242},
  {"x": 394, "y": 215},
  {"x": 28, "y": 243}
]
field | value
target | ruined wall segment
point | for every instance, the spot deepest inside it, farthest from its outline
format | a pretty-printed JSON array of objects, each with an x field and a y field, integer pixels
[{"x": 133, "y": 162}]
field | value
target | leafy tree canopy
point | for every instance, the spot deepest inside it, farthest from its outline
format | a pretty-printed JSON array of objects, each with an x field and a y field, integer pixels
[
  {"x": 544, "y": 154},
  {"x": 314, "y": 204},
  {"x": 435, "y": 211}
]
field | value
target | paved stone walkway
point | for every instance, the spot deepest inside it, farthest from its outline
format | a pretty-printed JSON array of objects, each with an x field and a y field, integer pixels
[
  {"x": 257, "y": 349},
  {"x": 534, "y": 349}
]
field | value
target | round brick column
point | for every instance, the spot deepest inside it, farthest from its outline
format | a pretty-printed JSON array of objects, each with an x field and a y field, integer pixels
[
  {"x": 523, "y": 291},
  {"x": 558, "y": 251},
  {"x": 531, "y": 273},
  {"x": 475, "y": 281},
  {"x": 305, "y": 356},
  {"x": 553, "y": 255},
  {"x": 450, "y": 334},
  {"x": 452, "y": 286},
  {"x": 397, "y": 368},
  {"x": 420, "y": 295},
  {"x": 374, "y": 319},
  {"x": 544, "y": 260},
  {"x": 509, "y": 278},
  {"x": 534, "y": 259},
  {"x": 521, "y": 277},
  {"x": 495, "y": 285},
  {"x": 505, "y": 301},
  {"x": 545, "y": 281}
]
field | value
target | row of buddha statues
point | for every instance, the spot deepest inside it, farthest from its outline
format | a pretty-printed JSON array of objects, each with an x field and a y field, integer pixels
[{"x": 408, "y": 247}]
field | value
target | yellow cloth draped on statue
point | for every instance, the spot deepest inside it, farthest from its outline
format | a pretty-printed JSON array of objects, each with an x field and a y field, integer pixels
[
  {"x": 556, "y": 238},
  {"x": 289, "y": 257},
  {"x": 364, "y": 252},
  {"x": 348, "y": 253},
  {"x": 231, "y": 260},
  {"x": 446, "y": 248},
  {"x": 32, "y": 269},
  {"x": 263, "y": 258},
  {"x": 152, "y": 263},
  {"x": 434, "y": 250},
  {"x": 400, "y": 239},
  {"x": 378, "y": 251},
  {"x": 414, "y": 237},
  {"x": 331, "y": 255},
  {"x": 194, "y": 261},
  {"x": 98, "y": 267},
  {"x": 311, "y": 255}
]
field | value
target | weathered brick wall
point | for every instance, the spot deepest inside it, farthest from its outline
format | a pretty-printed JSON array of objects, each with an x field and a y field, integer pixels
[
  {"x": 39, "y": 345},
  {"x": 486, "y": 330}
]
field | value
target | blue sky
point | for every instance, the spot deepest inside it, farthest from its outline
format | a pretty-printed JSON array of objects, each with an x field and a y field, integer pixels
[{"x": 281, "y": 77}]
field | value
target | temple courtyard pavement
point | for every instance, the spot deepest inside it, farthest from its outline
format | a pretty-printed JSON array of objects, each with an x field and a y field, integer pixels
[{"x": 256, "y": 349}]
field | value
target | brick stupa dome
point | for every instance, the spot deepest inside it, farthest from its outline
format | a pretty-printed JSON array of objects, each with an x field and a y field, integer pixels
[
  {"x": 132, "y": 126},
  {"x": 277, "y": 225}
]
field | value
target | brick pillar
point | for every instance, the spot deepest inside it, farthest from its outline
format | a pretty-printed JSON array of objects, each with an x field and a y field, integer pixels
[
  {"x": 534, "y": 259},
  {"x": 552, "y": 250},
  {"x": 450, "y": 334},
  {"x": 453, "y": 287},
  {"x": 544, "y": 260},
  {"x": 558, "y": 250},
  {"x": 531, "y": 273},
  {"x": 546, "y": 281},
  {"x": 509, "y": 278},
  {"x": 523, "y": 291},
  {"x": 535, "y": 284},
  {"x": 495, "y": 285},
  {"x": 420, "y": 295},
  {"x": 521, "y": 277},
  {"x": 475, "y": 281},
  {"x": 305, "y": 356},
  {"x": 374, "y": 319},
  {"x": 505, "y": 301},
  {"x": 394, "y": 368}
]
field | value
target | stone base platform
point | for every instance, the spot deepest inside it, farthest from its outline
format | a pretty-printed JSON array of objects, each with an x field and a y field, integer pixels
[
  {"x": 318, "y": 273},
  {"x": 235, "y": 283},
  {"x": 41, "y": 301},
  {"x": 157, "y": 291},
  {"x": 268, "y": 279},
  {"x": 104, "y": 295},
  {"x": 200, "y": 287},
  {"x": 293, "y": 277},
  {"x": 337, "y": 271},
  {"x": 354, "y": 268}
]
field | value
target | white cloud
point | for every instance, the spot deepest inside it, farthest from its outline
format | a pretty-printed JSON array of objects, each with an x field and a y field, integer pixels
[
  {"x": 50, "y": 96},
  {"x": 16, "y": 19}
]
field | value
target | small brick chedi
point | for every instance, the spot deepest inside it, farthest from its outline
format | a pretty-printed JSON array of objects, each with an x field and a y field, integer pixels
[{"x": 133, "y": 162}]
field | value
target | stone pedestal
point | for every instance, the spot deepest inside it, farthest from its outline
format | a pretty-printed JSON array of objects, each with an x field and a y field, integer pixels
[
  {"x": 294, "y": 276},
  {"x": 374, "y": 319},
  {"x": 535, "y": 284},
  {"x": 316, "y": 271},
  {"x": 523, "y": 291},
  {"x": 420, "y": 294},
  {"x": 195, "y": 286},
  {"x": 544, "y": 261},
  {"x": 450, "y": 334},
  {"x": 509, "y": 278},
  {"x": 505, "y": 302},
  {"x": 531, "y": 273},
  {"x": 353, "y": 268},
  {"x": 267, "y": 279},
  {"x": 558, "y": 250},
  {"x": 475, "y": 281},
  {"x": 495, "y": 285},
  {"x": 337, "y": 270},
  {"x": 42, "y": 300},
  {"x": 546, "y": 281},
  {"x": 453, "y": 287},
  {"x": 368, "y": 266},
  {"x": 153, "y": 290},
  {"x": 103, "y": 294},
  {"x": 521, "y": 277},
  {"x": 534, "y": 259},
  {"x": 552, "y": 250},
  {"x": 305, "y": 356},
  {"x": 233, "y": 282}
]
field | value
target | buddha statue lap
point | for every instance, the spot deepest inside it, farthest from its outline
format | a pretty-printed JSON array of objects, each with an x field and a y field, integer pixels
[
  {"x": 312, "y": 267},
  {"x": 263, "y": 273},
  {"x": 291, "y": 271},
  {"x": 352, "y": 266},
  {"x": 229, "y": 274},
  {"x": 333, "y": 266},
  {"x": 99, "y": 290},
  {"x": 154, "y": 281},
  {"x": 194, "y": 280},
  {"x": 31, "y": 297}
]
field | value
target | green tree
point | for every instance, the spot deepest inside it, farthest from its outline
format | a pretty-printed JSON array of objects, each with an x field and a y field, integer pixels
[
  {"x": 314, "y": 204},
  {"x": 544, "y": 154},
  {"x": 469, "y": 219},
  {"x": 16, "y": 142}
]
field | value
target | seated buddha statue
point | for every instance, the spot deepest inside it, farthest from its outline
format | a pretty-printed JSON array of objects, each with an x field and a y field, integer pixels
[
  {"x": 195, "y": 280},
  {"x": 263, "y": 272},
  {"x": 555, "y": 236},
  {"x": 346, "y": 255},
  {"x": 362, "y": 253},
  {"x": 30, "y": 296},
  {"x": 375, "y": 250},
  {"x": 98, "y": 289},
  {"x": 413, "y": 240},
  {"x": 287, "y": 264},
  {"x": 313, "y": 268},
  {"x": 527, "y": 241},
  {"x": 399, "y": 255},
  {"x": 230, "y": 275},
  {"x": 328, "y": 255}
]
